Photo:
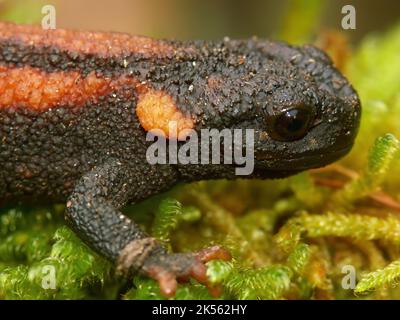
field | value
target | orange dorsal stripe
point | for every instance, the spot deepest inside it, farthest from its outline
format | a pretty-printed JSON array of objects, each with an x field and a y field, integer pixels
[
  {"x": 105, "y": 44},
  {"x": 39, "y": 90}
]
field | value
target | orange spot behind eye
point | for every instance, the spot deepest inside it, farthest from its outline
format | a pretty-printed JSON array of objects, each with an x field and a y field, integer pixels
[{"x": 157, "y": 110}]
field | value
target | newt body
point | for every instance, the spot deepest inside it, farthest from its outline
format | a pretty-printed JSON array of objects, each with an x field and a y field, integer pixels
[{"x": 75, "y": 108}]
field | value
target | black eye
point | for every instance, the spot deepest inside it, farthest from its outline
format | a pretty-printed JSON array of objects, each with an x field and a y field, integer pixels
[{"x": 292, "y": 124}]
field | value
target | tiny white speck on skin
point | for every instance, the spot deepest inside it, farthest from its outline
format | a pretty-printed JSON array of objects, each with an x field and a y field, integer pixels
[
  {"x": 296, "y": 56},
  {"x": 191, "y": 88},
  {"x": 125, "y": 63}
]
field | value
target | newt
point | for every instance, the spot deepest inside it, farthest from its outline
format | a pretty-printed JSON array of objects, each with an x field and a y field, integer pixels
[{"x": 75, "y": 108}]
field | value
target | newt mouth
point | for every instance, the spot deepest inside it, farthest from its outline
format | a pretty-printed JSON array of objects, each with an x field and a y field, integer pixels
[{"x": 305, "y": 162}]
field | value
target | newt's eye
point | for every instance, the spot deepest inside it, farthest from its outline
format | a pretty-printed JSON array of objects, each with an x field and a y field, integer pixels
[{"x": 291, "y": 124}]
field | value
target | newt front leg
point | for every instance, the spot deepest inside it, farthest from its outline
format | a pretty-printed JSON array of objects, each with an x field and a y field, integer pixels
[{"x": 93, "y": 212}]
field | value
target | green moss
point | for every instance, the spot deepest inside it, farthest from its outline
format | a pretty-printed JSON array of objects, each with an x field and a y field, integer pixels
[
  {"x": 289, "y": 238},
  {"x": 383, "y": 277},
  {"x": 380, "y": 158}
]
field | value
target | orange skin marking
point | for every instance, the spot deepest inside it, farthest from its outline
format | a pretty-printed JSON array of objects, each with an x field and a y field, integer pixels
[
  {"x": 156, "y": 110},
  {"x": 29, "y": 87},
  {"x": 38, "y": 90},
  {"x": 104, "y": 44},
  {"x": 336, "y": 44}
]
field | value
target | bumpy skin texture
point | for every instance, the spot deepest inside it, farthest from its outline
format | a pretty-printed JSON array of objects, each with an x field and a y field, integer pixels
[{"x": 90, "y": 150}]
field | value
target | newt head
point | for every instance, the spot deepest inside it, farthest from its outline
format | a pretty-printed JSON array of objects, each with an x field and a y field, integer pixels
[
  {"x": 304, "y": 112},
  {"x": 311, "y": 114}
]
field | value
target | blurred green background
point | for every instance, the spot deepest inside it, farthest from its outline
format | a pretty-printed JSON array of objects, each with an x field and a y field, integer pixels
[{"x": 206, "y": 19}]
